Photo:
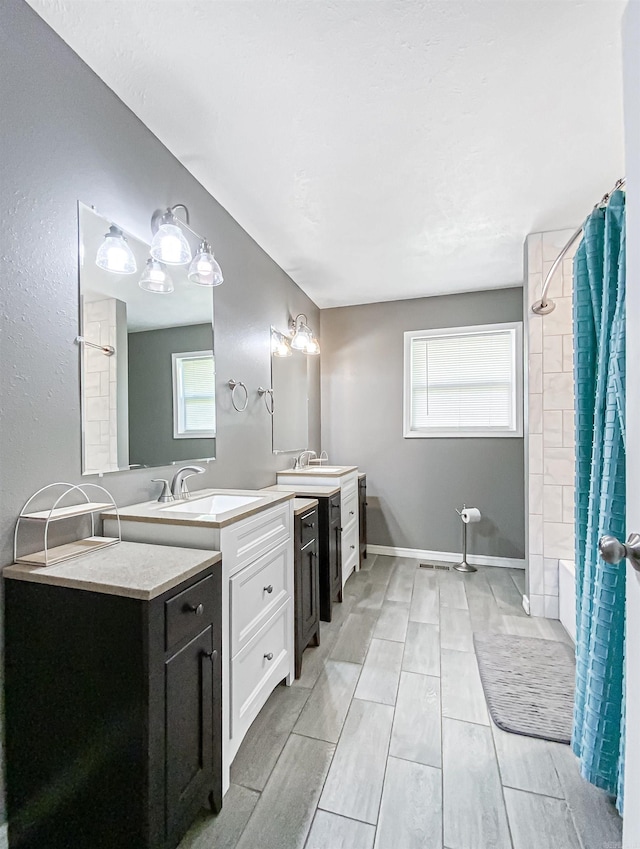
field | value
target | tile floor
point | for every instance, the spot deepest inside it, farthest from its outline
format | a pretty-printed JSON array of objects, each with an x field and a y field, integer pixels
[{"x": 385, "y": 740}]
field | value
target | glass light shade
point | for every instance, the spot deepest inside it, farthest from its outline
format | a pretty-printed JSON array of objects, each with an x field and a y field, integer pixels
[
  {"x": 114, "y": 254},
  {"x": 204, "y": 270},
  {"x": 280, "y": 346},
  {"x": 313, "y": 347},
  {"x": 301, "y": 338},
  {"x": 169, "y": 244},
  {"x": 156, "y": 278}
]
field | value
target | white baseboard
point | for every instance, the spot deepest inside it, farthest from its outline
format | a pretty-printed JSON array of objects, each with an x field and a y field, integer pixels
[
  {"x": 4, "y": 837},
  {"x": 446, "y": 556},
  {"x": 526, "y": 605}
]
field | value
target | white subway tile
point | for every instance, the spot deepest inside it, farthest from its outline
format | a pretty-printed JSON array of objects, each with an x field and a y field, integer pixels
[
  {"x": 536, "y": 605},
  {"x": 568, "y": 430},
  {"x": 551, "y": 607},
  {"x": 567, "y": 275},
  {"x": 568, "y": 504},
  {"x": 552, "y": 496},
  {"x": 534, "y": 252},
  {"x": 559, "y": 321},
  {"x": 535, "y": 454},
  {"x": 552, "y": 429},
  {"x": 552, "y": 353},
  {"x": 567, "y": 352},
  {"x": 97, "y": 409},
  {"x": 558, "y": 541},
  {"x": 535, "y": 494},
  {"x": 535, "y": 333},
  {"x": 535, "y": 412},
  {"x": 535, "y": 373},
  {"x": 536, "y": 574},
  {"x": 534, "y": 286},
  {"x": 92, "y": 435},
  {"x": 558, "y": 391},
  {"x": 550, "y": 576},
  {"x": 559, "y": 466},
  {"x": 536, "y": 535}
]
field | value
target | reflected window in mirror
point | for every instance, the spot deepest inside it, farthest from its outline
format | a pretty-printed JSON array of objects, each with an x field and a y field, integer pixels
[{"x": 127, "y": 399}]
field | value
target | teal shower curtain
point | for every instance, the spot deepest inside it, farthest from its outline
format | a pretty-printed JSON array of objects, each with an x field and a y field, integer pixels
[{"x": 599, "y": 374}]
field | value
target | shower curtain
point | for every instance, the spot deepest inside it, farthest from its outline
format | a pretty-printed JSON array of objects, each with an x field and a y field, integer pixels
[{"x": 599, "y": 375}]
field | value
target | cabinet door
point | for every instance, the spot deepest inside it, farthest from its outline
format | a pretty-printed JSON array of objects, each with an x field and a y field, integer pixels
[
  {"x": 335, "y": 560},
  {"x": 309, "y": 590},
  {"x": 189, "y": 696},
  {"x": 362, "y": 504}
]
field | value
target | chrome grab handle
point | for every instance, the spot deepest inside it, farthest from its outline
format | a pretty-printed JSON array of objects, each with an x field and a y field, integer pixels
[{"x": 613, "y": 551}]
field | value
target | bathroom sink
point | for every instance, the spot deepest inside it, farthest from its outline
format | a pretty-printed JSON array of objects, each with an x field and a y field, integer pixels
[{"x": 212, "y": 505}]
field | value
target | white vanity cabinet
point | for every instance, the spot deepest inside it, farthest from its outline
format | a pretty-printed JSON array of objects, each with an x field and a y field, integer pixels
[
  {"x": 346, "y": 477},
  {"x": 257, "y": 598}
]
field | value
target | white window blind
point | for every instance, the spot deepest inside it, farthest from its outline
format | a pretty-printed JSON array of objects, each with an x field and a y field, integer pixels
[
  {"x": 194, "y": 411},
  {"x": 463, "y": 381}
]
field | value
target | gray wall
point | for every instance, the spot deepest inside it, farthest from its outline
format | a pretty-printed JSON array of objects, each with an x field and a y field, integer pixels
[
  {"x": 66, "y": 137},
  {"x": 151, "y": 441},
  {"x": 414, "y": 485}
]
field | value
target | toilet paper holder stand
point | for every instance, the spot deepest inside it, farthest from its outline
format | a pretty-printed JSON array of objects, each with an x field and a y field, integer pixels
[{"x": 463, "y": 566}]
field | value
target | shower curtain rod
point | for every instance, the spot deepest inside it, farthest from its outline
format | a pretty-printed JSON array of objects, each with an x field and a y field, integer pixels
[{"x": 545, "y": 305}]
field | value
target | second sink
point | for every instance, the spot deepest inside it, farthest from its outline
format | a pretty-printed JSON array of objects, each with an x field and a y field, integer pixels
[{"x": 212, "y": 505}]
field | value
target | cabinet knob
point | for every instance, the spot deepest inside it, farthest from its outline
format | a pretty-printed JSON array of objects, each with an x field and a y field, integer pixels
[
  {"x": 308, "y": 524},
  {"x": 340, "y": 529},
  {"x": 351, "y": 513},
  {"x": 268, "y": 589},
  {"x": 353, "y": 546},
  {"x": 211, "y": 654},
  {"x": 198, "y": 609},
  {"x": 269, "y": 656}
]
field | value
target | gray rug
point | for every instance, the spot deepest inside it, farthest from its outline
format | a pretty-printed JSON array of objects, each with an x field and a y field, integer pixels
[{"x": 529, "y": 684}]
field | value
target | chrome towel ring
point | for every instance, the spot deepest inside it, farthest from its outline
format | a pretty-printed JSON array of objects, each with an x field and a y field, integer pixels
[
  {"x": 265, "y": 394},
  {"x": 233, "y": 385}
]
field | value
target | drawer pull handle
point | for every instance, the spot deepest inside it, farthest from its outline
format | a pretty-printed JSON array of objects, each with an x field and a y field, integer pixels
[
  {"x": 198, "y": 609},
  {"x": 269, "y": 656},
  {"x": 268, "y": 589},
  {"x": 340, "y": 529}
]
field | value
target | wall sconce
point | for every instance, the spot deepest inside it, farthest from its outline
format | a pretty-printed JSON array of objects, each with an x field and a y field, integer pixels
[
  {"x": 114, "y": 254},
  {"x": 302, "y": 338},
  {"x": 170, "y": 246},
  {"x": 156, "y": 278}
]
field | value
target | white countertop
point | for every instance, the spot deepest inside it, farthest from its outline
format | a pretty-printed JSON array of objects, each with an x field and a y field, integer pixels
[
  {"x": 303, "y": 490},
  {"x": 301, "y": 505},
  {"x": 155, "y": 511},
  {"x": 321, "y": 471},
  {"x": 129, "y": 569}
]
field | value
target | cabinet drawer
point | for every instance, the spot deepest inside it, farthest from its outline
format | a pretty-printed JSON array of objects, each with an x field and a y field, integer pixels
[
  {"x": 256, "y": 592},
  {"x": 349, "y": 507},
  {"x": 255, "y": 670},
  {"x": 243, "y": 542},
  {"x": 308, "y": 527},
  {"x": 187, "y": 613},
  {"x": 350, "y": 550}
]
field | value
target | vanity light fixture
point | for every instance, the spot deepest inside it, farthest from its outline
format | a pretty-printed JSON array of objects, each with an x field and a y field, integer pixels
[
  {"x": 204, "y": 270},
  {"x": 280, "y": 344},
  {"x": 169, "y": 244},
  {"x": 156, "y": 278},
  {"x": 114, "y": 254},
  {"x": 302, "y": 338}
]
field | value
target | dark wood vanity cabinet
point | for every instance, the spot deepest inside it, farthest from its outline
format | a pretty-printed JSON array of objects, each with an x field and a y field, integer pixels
[
  {"x": 330, "y": 550},
  {"x": 307, "y": 584},
  {"x": 362, "y": 515},
  {"x": 113, "y": 714}
]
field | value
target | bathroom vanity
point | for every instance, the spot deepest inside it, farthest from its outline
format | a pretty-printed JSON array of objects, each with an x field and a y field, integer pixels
[
  {"x": 113, "y": 697},
  {"x": 254, "y": 532},
  {"x": 307, "y": 577},
  {"x": 346, "y": 479}
]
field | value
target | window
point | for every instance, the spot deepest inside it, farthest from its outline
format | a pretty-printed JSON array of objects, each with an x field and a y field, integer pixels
[
  {"x": 194, "y": 409},
  {"x": 463, "y": 381}
]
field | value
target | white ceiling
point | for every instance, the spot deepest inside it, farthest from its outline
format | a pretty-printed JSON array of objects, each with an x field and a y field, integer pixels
[{"x": 376, "y": 149}]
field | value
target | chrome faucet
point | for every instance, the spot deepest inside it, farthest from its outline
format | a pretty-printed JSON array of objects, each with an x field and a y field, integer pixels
[
  {"x": 179, "y": 482},
  {"x": 308, "y": 453}
]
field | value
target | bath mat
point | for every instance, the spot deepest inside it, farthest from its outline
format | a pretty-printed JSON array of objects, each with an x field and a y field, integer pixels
[{"x": 529, "y": 684}]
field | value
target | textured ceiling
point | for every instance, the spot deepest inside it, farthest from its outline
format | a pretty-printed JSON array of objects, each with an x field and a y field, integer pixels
[{"x": 376, "y": 149}]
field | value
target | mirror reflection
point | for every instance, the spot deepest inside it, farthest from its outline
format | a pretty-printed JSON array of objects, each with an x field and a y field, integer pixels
[
  {"x": 289, "y": 381},
  {"x": 147, "y": 362}
]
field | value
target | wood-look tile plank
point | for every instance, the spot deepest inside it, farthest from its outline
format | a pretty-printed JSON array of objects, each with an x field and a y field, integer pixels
[
  {"x": 462, "y": 693},
  {"x": 315, "y": 658},
  {"x": 411, "y": 807},
  {"x": 538, "y": 822},
  {"x": 528, "y": 626},
  {"x": 506, "y": 594},
  {"x": 425, "y": 603},
  {"x": 392, "y": 621},
  {"x": 222, "y": 831},
  {"x": 368, "y": 562},
  {"x": 518, "y": 578},
  {"x": 381, "y": 672},
  {"x": 422, "y": 649},
  {"x": 355, "y": 636},
  {"x": 285, "y": 810},
  {"x": 400, "y": 584},
  {"x": 474, "y": 812},
  {"x": 326, "y": 709},
  {"x": 526, "y": 763},
  {"x": 370, "y": 597},
  {"x": 455, "y": 629},
  {"x": 330, "y": 831},
  {"x": 594, "y": 813},
  {"x": 267, "y": 736},
  {"x": 452, "y": 590},
  {"x": 416, "y": 724},
  {"x": 354, "y": 783}
]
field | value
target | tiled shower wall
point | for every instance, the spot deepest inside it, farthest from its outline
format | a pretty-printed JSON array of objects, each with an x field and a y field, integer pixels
[
  {"x": 99, "y": 387},
  {"x": 551, "y": 464}
]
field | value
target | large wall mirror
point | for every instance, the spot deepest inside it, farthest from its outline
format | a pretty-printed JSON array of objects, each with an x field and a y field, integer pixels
[
  {"x": 290, "y": 419},
  {"x": 147, "y": 362}
]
